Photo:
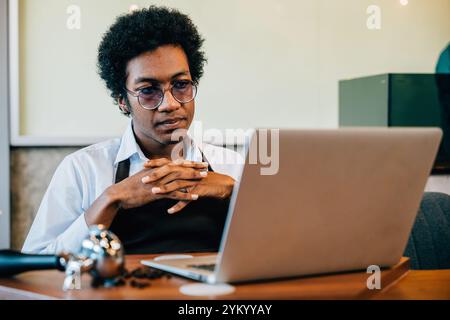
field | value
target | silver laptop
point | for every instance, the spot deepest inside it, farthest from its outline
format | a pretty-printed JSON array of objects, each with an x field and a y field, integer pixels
[{"x": 342, "y": 200}]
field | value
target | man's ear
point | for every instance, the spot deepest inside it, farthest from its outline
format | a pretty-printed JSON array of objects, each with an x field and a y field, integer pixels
[{"x": 123, "y": 105}]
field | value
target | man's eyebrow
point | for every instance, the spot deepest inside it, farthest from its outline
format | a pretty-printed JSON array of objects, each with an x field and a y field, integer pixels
[
  {"x": 153, "y": 80},
  {"x": 145, "y": 79},
  {"x": 182, "y": 73}
]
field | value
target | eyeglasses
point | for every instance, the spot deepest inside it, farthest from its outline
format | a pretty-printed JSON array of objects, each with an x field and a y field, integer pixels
[{"x": 151, "y": 97}]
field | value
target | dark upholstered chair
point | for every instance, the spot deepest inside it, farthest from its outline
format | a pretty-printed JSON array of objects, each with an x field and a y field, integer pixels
[{"x": 429, "y": 244}]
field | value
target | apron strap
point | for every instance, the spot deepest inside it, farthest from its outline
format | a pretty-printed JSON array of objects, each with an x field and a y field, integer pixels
[
  {"x": 206, "y": 160},
  {"x": 123, "y": 171}
]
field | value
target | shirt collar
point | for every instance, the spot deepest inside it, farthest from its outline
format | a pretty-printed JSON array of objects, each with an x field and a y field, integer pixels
[{"x": 129, "y": 147}]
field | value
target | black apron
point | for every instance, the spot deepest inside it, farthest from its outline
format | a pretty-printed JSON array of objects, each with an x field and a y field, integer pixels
[{"x": 150, "y": 229}]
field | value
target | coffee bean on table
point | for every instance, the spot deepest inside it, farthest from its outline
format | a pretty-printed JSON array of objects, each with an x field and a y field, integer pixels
[
  {"x": 140, "y": 284},
  {"x": 136, "y": 278}
]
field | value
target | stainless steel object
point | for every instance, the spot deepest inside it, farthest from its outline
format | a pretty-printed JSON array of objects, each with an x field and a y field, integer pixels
[
  {"x": 74, "y": 267},
  {"x": 101, "y": 255}
]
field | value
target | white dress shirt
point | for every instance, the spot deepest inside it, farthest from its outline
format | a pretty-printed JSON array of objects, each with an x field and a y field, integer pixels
[{"x": 83, "y": 176}]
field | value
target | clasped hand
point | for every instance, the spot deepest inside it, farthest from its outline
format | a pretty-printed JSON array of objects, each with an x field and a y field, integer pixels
[{"x": 185, "y": 181}]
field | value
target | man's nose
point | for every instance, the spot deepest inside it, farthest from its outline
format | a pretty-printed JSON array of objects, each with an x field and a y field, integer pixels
[{"x": 169, "y": 103}]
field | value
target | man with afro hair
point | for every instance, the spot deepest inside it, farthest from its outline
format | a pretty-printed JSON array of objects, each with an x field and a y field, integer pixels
[{"x": 154, "y": 187}]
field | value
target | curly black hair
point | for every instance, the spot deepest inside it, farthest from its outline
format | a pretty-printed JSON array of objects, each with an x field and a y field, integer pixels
[{"x": 143, "y": 31}]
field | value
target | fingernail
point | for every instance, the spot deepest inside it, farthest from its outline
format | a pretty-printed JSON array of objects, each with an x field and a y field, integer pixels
[
  {"x": 204, "y": 174},
  {"x": 195, "y": 197},
  {"x": 145, "y": 179},
  {"x": 179, "y": 162},
  {"x": 171, "y": 211},
  {"x": 156, "y": 190}
]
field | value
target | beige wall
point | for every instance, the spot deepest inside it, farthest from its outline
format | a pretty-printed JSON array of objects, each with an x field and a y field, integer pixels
[
  {"x": 31, "y": 172},
  {"x": 409, "y": 41},
  {"x": 271, "y": 63}
]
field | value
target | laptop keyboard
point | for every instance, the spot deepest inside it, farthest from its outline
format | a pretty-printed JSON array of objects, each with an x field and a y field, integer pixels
[{"x": 207, "y": 267}]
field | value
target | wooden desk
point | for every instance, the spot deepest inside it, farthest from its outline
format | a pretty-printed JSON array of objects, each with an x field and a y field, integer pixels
[{"x": 404, "y": 284}]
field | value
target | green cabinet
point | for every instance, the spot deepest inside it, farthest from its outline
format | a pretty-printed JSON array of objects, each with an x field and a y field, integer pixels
[{"x": 399, "y": 100}]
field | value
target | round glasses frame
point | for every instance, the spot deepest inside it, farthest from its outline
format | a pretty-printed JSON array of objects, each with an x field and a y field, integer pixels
[{"x": 163, "y": 94}]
